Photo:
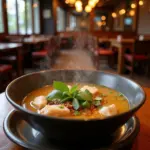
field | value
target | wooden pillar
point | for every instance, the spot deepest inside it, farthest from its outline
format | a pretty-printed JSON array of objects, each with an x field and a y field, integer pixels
[
  {"x": 54, "y": 6},
  {"x": 92, "y": 15},
  {"x": 137, "y": 16},
  {"x": 5, "y": 16}
]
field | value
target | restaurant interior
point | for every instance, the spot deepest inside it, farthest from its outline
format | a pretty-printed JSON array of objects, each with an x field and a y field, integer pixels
[{"x": 105, "y": 35}]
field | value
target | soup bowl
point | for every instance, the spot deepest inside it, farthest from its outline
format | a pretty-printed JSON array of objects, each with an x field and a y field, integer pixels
[{"x": 64, "y": 129}]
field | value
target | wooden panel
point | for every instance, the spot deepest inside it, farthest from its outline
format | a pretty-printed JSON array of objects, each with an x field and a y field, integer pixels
[{"x": 114, "y": 34}]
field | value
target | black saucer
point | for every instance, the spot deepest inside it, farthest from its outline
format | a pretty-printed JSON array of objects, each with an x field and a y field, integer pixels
[{"x": 24, "y": 135}]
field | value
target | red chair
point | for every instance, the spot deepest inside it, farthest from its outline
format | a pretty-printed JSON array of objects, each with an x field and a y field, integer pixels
[
  {"x": 140, "y": 55},
  {"x": 109, "y": 53},
  {"x": 5, "y": 75},
  {"x": 50, "y": 50}
]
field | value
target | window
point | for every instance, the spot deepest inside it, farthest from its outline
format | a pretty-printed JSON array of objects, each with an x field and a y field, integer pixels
[
  {"x": 72, "y": 22},
  {"x": 20, "y": 15},
  {"x": 1, "y": 18},
  {"x": 36, "y": 17},
  {"x": 60, "y": 19},
  {"x": 29, "y": 16},
  {"x": 12, "y": 16}
]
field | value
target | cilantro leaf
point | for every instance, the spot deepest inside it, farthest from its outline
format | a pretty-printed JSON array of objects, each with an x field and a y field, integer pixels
[
  {"x": 60, "y": 86},
  {"x": 75, "y": 104},
  {"x": 74, "y": 89},
  {"x": 55, "y": 94},
  {"x": 77, "y": 113},
  {"x": 85, "y": 95},
  {"x": 86, "y": 104},
  {"x": 96, "y": 103}
]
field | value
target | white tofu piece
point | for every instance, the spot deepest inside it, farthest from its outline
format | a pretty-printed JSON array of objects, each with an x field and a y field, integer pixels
[
  {"x": 92, "y": 90},
  {"x": 107, "y": 111},
  {"x": 39, "y": 102},
  {"x": 55, "y": 110}
]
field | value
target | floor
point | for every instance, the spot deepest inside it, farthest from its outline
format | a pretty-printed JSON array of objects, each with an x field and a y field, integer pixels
[{"x": 80, "y": 59}]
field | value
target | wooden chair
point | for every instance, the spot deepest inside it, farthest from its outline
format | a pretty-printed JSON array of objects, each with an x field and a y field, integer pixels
[
  {"x": 5, "y": 75},
  {"x": 50, "y": 50},
  {"x": 140, "y": 55},
  {"x": 109, "y": 53},
  {"x": 11, "y": 58}
]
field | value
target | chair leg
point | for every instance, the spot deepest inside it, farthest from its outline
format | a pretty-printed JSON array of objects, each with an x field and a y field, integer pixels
[{"x": 111, "y": 61}]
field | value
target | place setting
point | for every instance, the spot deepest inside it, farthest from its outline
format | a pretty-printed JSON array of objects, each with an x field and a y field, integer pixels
[{"x": 65, "y": 112}]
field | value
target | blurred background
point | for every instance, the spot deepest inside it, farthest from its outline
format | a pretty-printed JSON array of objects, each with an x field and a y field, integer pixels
[{"x": 107, "y": 35}]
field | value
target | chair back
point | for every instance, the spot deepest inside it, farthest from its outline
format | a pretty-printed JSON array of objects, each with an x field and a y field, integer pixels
[{"x": 142, "y": 47}]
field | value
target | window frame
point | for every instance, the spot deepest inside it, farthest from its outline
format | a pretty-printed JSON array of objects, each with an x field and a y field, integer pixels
[
  {"x": 26, "y": 21},
  {"x": 3, "y": 17}
]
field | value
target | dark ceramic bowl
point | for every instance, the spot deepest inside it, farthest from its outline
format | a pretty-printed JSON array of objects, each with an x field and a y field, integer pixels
[{"x": 70, "y": 129}]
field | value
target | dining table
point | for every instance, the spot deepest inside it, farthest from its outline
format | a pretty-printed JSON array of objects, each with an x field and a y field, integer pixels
[
  {"x": 35, "y": 40},
  {"x": 13, "y": 49},
  {"x": 121, "y": 45},
  {"x": 142, "y": 141},
  {"x": 31, "y": 44}
]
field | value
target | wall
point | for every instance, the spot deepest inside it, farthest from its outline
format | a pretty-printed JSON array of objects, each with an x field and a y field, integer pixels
[
  {"x": 47, "y": 25},
  {"x": 144, "y": 18}
]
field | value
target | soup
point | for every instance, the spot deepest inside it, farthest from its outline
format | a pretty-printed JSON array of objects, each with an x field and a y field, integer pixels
[{"x": 73, "y": 100}]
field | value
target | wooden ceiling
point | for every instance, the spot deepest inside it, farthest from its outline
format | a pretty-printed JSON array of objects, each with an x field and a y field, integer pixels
[{"x": 102, "y": 3}]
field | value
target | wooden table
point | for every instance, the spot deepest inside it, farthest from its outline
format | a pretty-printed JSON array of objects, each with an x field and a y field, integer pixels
[
  {"x": 121, "y": 47},
  {"x": 35, "y": 40},
  {"x": 141, "y": 143},
  {"x": 13, "y": 48},
  {"x": 29, "y": 44}
]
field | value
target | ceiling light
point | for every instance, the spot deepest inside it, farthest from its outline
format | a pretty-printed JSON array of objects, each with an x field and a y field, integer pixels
[
  {"x": 122, "y": 11},
  {"x": 78, "y": 4},
  {"x": 103, "y": 18},
  {"x": 67, "y": 1},
  {"x": 141, "y": 3},
  {"x": 88, "y": 9},
  {"x": 96, "y": 1},
  {"x": 72, "y": 2},
  {"x": 91, "y": 3},
  {"x": 114, "y": 15},
  {"x": 132, "y": 12},
  {"x": 79, "y": 9},
  {"x": 99, "y": 23},
  {"x": 133, "y": 5}
]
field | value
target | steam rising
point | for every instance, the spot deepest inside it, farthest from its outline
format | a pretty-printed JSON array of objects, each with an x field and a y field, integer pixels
[{"x": 77, "y": 58}]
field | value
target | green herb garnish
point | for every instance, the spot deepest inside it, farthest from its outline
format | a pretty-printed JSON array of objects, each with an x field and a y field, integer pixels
[
  {"x": 61, "y": 107},
  {"x": 97, "y": 103},
  {"x": 63, "y": 94},
  {"x": 55, "y": 94},
  {"x": 74, "y": 89},
  {"x": 75, "y": 104},
  {"x": 86, "y": 104},
  {"x": 100, "y": 107},
  {"x": 120, "y": 94},
  {"x": 77, "y": 113},
  {"x": 85, "y": 95},
  {"x": 60, "y": 86}
]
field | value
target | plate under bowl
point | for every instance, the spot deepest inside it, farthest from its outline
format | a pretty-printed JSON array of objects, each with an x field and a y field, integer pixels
[{"x": 24, "y": 135}]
